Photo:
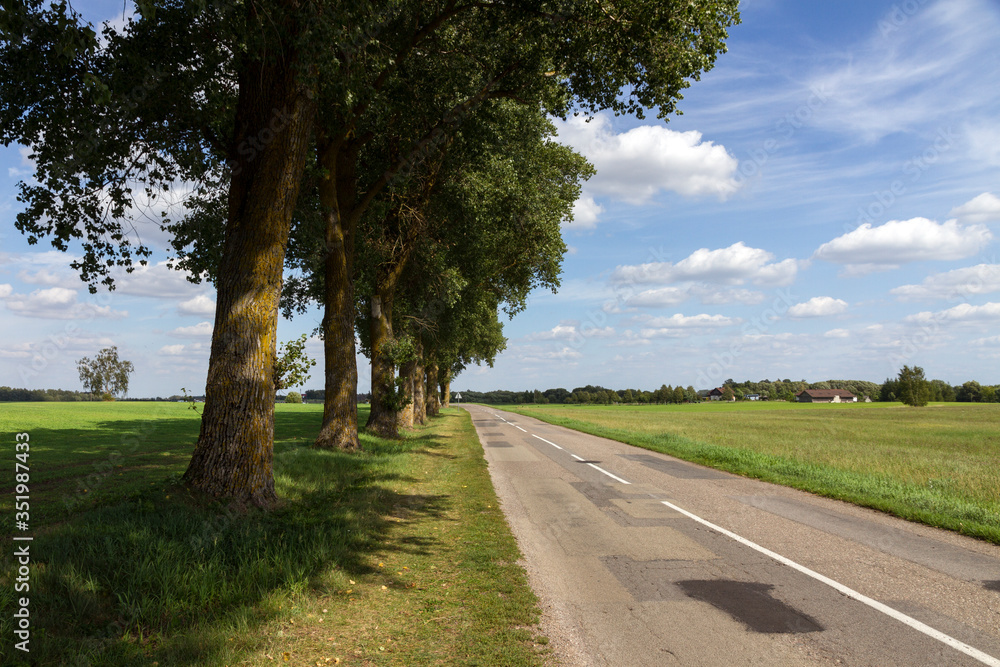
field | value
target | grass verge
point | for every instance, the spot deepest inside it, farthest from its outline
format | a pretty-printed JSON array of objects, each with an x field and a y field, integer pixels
[
  {"x": 938, "y": 465},
  {"x": 398, "y": 555}
]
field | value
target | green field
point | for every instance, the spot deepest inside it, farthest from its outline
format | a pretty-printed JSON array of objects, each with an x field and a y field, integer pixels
[
  {"x": 398, "y": 555},
  {"x": 939, "y": 465}
]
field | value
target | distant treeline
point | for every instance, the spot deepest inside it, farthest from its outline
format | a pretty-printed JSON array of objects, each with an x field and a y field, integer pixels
[{"x": 764, "y": 390}]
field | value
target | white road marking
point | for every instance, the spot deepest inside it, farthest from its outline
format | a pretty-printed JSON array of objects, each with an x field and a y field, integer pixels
[
  {"x": 518, "y": 428},
  {"x": 598, "y": 469},
  {"x": 546, "y": 441},
  {"x": 614, "y": 477},
  {"x": 851, "y": 593}
]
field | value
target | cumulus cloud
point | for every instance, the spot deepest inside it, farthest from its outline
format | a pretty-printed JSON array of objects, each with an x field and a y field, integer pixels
[
  {"x": 963, "y": 312},
  {"x": 172, "y": 350},
  {"x": 5, "y": 291},
  {"x": 981, "y": 209},
  {"x": 634, "y": 166},
  {"x": 665, "y": 297},
  {"x": 837, "y": 333},
  {"x": 896, "y": 242},
  {"x": 586, "y": 213},
  {"x": 960, "y": 283},
  {"x": 818, "y": 306},
  {"x": 199, "y": 305},
  {"x": 57, "y": 303},
  {"x": 734, "y": 265},
  {"x": 200, "y": 330}
]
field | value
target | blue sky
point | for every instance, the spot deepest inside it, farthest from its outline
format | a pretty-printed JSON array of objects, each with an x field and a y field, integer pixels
[{"x": 827, "y": 206}]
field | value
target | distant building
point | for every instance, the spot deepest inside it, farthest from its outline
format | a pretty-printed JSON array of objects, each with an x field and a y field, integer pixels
[
  {"x": 752, "y": 397},
  {"x": 826, "y": 396},
  {"x": 715, "y": 394}
]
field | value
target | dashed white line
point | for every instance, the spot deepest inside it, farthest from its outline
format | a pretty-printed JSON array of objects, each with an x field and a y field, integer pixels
[
  {"x": 546, "y": 441},
  {"x": 518, "y": 428},
  {"x": 614, "y": 477},
  {"x": 578, "y": 458},
  {"x": 970, "y": 651}
]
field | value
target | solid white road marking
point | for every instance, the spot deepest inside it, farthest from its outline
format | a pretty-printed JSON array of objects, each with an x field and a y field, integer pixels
[
  {"x": 519, "y": 428},
  {"x": 850, "y": 592}
]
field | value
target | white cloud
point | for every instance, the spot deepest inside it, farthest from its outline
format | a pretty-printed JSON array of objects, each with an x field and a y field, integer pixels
[
  {"x": 172, "y": 350},
  {"x": 200, "y": 330},
  {"x": 157, "y": 281},
  {"x": 734, "y": 265},
  {"x": 896, "y": 242},
  {"x": 960, "y": 283},
  {"x": 58, "y": 303},
  {"x": 679, "y": 325},
  {"x": 923, "y": 65},
  {"x": 571, "y": 330},
  {"x": 986, "y": 342},
  {"x": 665, "y": 297},
  {"x": 200, "y": 305},
  {"x": 586, "y": 213},
  {"x": 5, "y": 291},
  {"x": 837, "y": 333},
  {"x": 818, "y": 306},
  {"x": 634, "y": 166},
  {"x": 984, "y": 208},
  {"x": 963, "y": 312}
]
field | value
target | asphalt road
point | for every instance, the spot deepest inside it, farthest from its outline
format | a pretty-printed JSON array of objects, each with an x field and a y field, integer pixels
[{"x": 643, "y": 559}]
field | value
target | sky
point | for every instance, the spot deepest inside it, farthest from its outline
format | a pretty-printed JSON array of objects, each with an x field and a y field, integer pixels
[{"x": 827, "y": 206}]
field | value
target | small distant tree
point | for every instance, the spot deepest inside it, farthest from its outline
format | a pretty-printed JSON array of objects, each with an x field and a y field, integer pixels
[
  {"x": 293, "y": 397},
  {"x": 914, "y": 390},
  {"x": 291, "y": 366},
  {"x": 105, "y": 375},
  {"x": 727, "y": 393}
]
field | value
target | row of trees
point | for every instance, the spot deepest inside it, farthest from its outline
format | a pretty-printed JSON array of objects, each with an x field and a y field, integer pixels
[
  {"x": 782, "y": 390},
  {"x": 393, "y": 156}
]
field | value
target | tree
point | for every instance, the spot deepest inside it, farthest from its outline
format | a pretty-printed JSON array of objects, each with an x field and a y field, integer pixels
[
  {"x": 914, "y": 390},
  {"x": 291, "y": 366},
  {"x": 105, "y": 375},
  {"x": 727, "y": 393},
  {"x": 293, "y": 397},
  {"x": 969, "y": 392}
]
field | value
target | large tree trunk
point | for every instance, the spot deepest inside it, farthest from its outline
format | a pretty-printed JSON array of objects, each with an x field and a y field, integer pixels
[
  {"x": 340, "y": 406},
  {"x": 405, "y": 415},
  {"x": 382, "y": 420},
  {"x": 234, "y": 455},
  {"x": 446, "y": 389},
  {"x": 433, "y": 400},
  {"x": 419, "y": 386}
]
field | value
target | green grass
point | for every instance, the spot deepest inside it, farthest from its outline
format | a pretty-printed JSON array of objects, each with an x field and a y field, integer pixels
[
  {"x": 939, "y": 465},
  {"x": 398, "y": 555}
]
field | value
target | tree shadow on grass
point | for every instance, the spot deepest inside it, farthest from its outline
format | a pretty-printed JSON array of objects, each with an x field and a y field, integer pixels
[{"x": 159, "y": 575}]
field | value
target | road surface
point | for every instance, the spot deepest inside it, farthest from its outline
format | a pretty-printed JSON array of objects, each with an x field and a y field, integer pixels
[{"x": 643, "y": 559}]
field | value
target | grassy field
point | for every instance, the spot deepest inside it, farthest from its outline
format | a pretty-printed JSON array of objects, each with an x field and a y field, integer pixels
[
  {"x": 939, "y": 464},
  {"x": 395, "y": 556}
]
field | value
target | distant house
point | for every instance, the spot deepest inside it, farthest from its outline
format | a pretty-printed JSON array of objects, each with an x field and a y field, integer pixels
[
  {"x": 826, "y": 396},
  {"x": 715, "y": 394},
  {"x": 753, "y": 397}
]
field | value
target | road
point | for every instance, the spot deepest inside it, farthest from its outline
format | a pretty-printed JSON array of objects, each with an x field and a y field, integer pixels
[{"x": 642, "y": 559}]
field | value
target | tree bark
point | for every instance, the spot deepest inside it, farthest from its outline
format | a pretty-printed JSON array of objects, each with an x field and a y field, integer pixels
[
  {"x": 446, "y": 389},
  {"x": 419, "y": 386},
  {"x": 433, "y": 397},
  {"x": 339, "y": 429},
  {"x": 234, "y": 454},
  {"x": 382, "y": 420},
  {"x": 405, "y": 415}
]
